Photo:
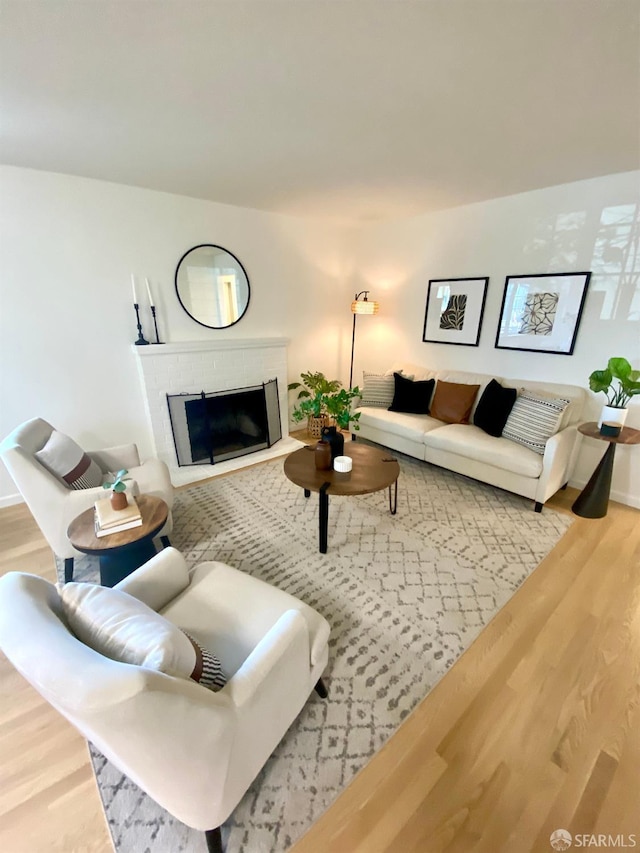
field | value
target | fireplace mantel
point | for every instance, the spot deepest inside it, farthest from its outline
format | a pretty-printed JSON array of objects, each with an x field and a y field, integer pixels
[{"x": 182, "y": 347}]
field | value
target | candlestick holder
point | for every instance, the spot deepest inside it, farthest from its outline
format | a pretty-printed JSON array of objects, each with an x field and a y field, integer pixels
[
  {"x": 141, "y": 341},
  {"x": 155, "y": 323}
]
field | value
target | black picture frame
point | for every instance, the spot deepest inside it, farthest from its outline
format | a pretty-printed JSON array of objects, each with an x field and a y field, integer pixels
[
  {"x": 541, "y": 312},
  {"x": 454, "y": 311}
]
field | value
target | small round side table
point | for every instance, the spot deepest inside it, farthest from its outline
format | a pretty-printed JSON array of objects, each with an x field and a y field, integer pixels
[
  {"x": 593, "y": 501},
  {"x": 124, "y": 552}
]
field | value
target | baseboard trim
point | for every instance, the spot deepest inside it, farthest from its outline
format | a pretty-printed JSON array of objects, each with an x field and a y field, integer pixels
[
  {"x": 616, "y": 494},
  {"x": 11, "y": 500}
]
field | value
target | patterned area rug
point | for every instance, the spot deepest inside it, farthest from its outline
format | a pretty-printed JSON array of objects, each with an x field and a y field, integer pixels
[{"x": 405, "y": 595}]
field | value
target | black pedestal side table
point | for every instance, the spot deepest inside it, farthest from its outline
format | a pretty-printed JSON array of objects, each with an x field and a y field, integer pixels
[{"x": 593, "y": 501}]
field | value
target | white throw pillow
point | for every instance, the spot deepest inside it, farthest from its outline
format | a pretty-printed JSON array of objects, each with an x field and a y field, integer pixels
[
  {"x": 68, "y": 461},
  {"x": 125, "y": 629},
  {"x": 534, "y": 418}
]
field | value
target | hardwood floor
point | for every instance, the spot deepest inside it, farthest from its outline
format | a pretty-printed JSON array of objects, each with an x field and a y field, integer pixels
[{"x": 535, "y": 728}]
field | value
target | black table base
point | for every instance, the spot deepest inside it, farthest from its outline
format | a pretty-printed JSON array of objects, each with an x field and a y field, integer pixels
[{"x": 593, "y": 501}]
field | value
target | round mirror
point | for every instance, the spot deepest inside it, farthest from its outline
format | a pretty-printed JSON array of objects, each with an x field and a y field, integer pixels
[{"x": 212, "y": 286}]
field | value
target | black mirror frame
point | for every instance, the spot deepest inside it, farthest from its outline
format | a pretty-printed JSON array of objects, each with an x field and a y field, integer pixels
[{"x": 237, "y": 260}]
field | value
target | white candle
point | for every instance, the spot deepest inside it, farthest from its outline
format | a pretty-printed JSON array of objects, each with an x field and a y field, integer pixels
[
  {"x": 133, "y": 288},
  {"x": 149, "y": 293}
]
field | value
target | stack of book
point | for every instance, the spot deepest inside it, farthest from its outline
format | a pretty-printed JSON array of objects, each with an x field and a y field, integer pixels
[{"x": 109, "y": 520}]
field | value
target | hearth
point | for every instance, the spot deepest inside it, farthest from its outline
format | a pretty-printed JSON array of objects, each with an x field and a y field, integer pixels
[{"x": 212, "y": 427}]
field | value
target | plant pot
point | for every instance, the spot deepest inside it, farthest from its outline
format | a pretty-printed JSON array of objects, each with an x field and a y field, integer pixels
[
  {"x": 315, "y": 425},
  {"x": 119, "y": 500},
  {"x": 612, "y": 415}
]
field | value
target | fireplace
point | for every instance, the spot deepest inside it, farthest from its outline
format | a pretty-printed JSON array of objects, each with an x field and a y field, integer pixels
[{"x": 221, "y": 425}]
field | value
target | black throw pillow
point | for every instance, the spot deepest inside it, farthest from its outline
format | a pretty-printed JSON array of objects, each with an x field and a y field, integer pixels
[
  {"x": 410, "y": 396},
  {"x": 494, "y": 408}
]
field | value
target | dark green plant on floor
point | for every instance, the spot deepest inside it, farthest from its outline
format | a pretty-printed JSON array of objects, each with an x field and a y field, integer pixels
[
  {"x": 321, "y": 397},
  {"x": 628, "y": 382}
]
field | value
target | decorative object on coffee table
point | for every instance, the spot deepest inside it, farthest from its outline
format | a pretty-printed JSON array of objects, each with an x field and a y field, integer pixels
[
  {"x": 360, "y": 306},
  {"x": 322, "y": 455},
  {"x": 453, "y": 314},
  {"x": 372, "y": 471},
  {"x": 541, "y": 312},
  {"x": 335, "y": 439},
  {"x": 120, "y": 553},
  {"x": 593, "y": 501},
  {"x": 618, "y": 370}
]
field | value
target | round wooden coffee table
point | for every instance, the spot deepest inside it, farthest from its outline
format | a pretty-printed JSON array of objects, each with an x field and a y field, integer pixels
[
  {"x": 372, "y": 471},
  {"x": 124, "y": 552}
]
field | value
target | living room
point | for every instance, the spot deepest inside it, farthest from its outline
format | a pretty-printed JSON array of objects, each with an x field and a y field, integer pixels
[{"x": 73, "y": 236}]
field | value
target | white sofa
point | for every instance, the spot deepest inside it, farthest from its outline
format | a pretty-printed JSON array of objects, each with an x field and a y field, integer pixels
[{"x": 468, "y": 450}]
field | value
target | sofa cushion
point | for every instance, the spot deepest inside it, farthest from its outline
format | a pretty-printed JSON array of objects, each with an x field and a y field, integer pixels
[
  {"x": 453, "y": 402},
  {"x": 471, "y": 442},
  {"x": 408, "y": 426},
  {"x": 534, "y": 419},
  {"x": 377, "y": 389},
  {"x": 494, "y": 408},
  {"x": 412, "y": 396},
  {"x": 68, "y": 461}
]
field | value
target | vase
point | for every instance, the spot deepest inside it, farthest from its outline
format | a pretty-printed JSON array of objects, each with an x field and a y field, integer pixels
[
  {"x": 335, "y": 439},
  {"x": 612, "y": 415},
  {"x": 322, "y": 455},
  {"x": 119, "y": 500}
]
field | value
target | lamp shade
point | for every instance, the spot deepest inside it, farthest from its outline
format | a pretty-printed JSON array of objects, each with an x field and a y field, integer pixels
[{"x": 364, "y": 306}]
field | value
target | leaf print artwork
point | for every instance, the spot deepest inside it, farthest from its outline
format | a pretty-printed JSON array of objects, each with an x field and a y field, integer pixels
[
  {"x": 539, "y": 314},
  {"x": 453, "y": 315}
]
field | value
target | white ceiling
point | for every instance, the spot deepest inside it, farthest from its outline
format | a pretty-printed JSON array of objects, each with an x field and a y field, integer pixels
[{"x": 357, "y": 109}]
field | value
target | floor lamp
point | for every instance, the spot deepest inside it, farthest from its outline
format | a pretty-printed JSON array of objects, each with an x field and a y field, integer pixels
[{"x": 360, "y": 306}]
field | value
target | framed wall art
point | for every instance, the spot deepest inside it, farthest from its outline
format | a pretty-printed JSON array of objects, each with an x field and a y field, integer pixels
[
  {"x": 541, "y": 313},
  {"x": 454, "y": 310}
]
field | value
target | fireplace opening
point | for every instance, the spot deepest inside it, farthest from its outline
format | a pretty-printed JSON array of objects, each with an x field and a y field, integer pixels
[{"x": 215, "y": 426}]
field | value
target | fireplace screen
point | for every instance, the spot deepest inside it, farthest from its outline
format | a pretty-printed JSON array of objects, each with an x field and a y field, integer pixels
[{"x": 213, "y": 427}]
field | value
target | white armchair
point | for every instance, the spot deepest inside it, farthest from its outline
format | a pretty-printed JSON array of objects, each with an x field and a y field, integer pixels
[
  {"x": 195, "y": 752},
  {"x": 54, "y": 505}
]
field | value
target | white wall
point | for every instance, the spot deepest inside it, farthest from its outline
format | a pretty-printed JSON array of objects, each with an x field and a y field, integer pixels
[
  {"x": 68, "y": 248},
  {"x": 561, "y": 229}
]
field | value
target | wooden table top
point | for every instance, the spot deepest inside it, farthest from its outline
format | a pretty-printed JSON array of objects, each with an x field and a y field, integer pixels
[
  {"x": 628, "y": 435},
  {"x": 372, "y": 470},
  {"x": 81, "y": 531}
]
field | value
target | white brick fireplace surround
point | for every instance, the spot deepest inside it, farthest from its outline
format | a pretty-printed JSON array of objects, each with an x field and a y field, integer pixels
[{"x": 194, "y": 366}]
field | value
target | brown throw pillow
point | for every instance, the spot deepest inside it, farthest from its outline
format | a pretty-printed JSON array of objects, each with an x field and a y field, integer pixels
[{"x": 453, "y": 401}]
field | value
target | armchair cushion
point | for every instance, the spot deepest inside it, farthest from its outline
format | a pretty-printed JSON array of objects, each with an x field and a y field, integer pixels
[
  {"x": 68, "y": 461},
  {"x": 125, "y": 629}
]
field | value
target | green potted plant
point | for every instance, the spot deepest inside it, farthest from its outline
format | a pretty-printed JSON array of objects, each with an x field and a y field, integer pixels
[
  {"x": 118, "y": 488},
  {"x": 321, "y": 400},
  {"x": 620, "y": 383}
]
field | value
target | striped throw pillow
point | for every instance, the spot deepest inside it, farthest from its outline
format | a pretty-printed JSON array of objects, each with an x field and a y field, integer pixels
[
  {"x": 208, "y": 670},
  {"x": 534, "y": 419},
  {"x": 68, "y": 461},
  {"x": 377, "y": 390}
]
